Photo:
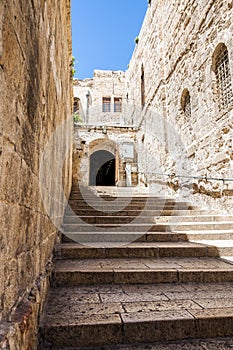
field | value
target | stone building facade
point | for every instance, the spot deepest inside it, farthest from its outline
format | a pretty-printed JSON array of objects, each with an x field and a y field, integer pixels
[
  {"x": 180, "y": 77},
  {"x": 100, "y": 99},
  {"x": 36, "y": 97},
  {"x": 105, "y": 146},
  {"x": 178, "y": 99}
]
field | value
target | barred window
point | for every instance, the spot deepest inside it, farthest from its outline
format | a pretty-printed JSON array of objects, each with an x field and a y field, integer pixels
[
  {"x": 186, "y": 103},
  {"x": 117, "y": 104},
  {"x": 106, "y": 104},
  {"x": 223, "y": 77}
]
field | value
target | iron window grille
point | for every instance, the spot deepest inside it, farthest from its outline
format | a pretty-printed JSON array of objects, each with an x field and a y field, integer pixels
[{"x": 223, "y": 78}]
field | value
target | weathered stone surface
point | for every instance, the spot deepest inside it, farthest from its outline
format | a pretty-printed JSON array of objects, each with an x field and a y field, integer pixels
[
  {"x": 147, "y": 313},
  {"x": 35, "y": 89},
  {"x": 84, "y": 330},
  {"x": 208, "y": 344},
  {"x": 176, "y": 46},
  {"x": 175, "y": 53}
]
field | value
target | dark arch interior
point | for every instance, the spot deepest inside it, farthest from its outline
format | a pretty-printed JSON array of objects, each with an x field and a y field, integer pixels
[{"x": 102, "y": 169}]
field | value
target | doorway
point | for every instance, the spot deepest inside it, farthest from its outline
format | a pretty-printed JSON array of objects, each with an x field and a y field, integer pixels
[{"x": 102, "y": 169}]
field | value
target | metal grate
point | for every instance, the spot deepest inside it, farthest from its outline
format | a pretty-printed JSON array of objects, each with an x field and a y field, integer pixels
[
  {"x": 223, "y": 76},
  {"x": 106, "y": 104},
  {"x": 187, "y": 105}
]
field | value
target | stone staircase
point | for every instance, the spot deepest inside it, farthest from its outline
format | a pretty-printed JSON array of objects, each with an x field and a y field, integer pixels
[{"x": 138, "y": 270}]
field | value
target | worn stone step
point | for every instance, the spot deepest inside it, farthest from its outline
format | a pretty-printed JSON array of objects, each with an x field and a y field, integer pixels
[
  {"x": 135, "y": 250},
  {"x": 113, "y": 219},
  {"x": 141, "y": 270},
  {"x": 152, "y": 198},
  {"x": 205, "y": 225},
  {"x": 120, "y": 219},
  {"x": 122, "y": 199},
  {"x": 137, "y": 225},
  {"x": 223, "y": 247},
  {"x": 89, "y": 237},
  {"x": 126, "y": 201},
  {"x": 130, "y": 206},
  {"x": 124, "y": 237},
  {"x": 121, "y": 237},
  {"x": 111, "y": 228},
  {"x": 186, "y": 217},
  {"x": 106, "y": 315},
  {"x": 148, "y": 212},
  {"x": 219, "y": 343},
  {"x": 194, "y": 235}
]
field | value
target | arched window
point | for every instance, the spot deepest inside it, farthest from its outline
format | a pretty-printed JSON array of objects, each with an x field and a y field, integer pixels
[
  {"x": 186, "y": 103},
  {"x": 221, "y": 68},
  {"x": 142, "y": 87}
]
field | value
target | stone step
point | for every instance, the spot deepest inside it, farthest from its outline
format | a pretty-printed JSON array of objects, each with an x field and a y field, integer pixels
[
  {"x": 129, "y": 199},
  {"x": 189, "y": 226},
  {"x": 223, "y": 247},
  {"x": 111, "y": 228},
  {"x": 197, "y": 235},
  {"x": 223, "y": 343},
  {"x": 105, "y": 315},
  {"x": 113, "y": 219},
  {"x": 135, "y": 250},
  {"x": 123, "y": 199},
  {"x": 132, "y": 206},
  {"x": 137, "y": 225},
  {"x": 124, "y": 237},
  {"x": 193, "y": 235},
  {"x": 146, "y": 212},
  {"x": 195, "y": 218},
  {"x": 141, "y": 270},
  {"x": 147, "y": 219},
  {"x": 119, "y": 208},
  {"x": 92, "y": 197}
]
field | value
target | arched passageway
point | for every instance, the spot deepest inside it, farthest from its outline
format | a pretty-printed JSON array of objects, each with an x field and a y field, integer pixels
[{"x": 102, "y": 169}]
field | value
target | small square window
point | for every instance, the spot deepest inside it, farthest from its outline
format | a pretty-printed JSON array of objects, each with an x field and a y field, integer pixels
[
  {"x": 106, "y": 104},
  {"x": 117, "y": 104}
]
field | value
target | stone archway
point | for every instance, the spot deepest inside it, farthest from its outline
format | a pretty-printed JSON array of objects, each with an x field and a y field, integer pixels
[{"x": 102, "y": 168}]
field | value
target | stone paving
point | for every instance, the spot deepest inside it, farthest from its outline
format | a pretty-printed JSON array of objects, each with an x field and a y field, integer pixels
[
  {"x": 123, "y": 313},
  {"x": 140, "y": 270},
  {"x": 83, "y": 301}
]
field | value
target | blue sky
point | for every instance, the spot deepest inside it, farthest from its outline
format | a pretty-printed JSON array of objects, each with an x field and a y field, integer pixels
[{"x": 103, "y": 33}]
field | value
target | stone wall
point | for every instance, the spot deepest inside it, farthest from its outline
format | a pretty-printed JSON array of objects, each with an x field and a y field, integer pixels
[
  {"x": 175, "y": 50},
  {"x": 91, "y": 91},
  {"x": 35, "y": 89}
]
